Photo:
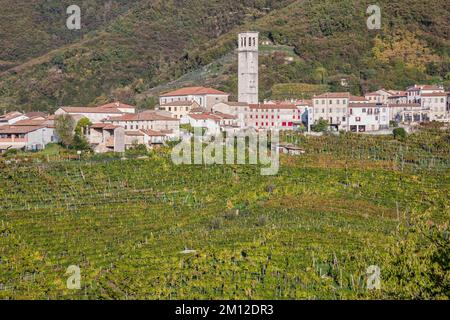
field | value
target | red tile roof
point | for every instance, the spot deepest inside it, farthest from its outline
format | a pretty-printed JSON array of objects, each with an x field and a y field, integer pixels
[
  {"x": 19, "y": 129},
  {"x": 11, "y": 115},
  {"x": 91, "y": 110},
  {"x": 357, "y": 98},
  {"x": 143, "y": 116},
  {"x": 104, "y": 126},
  {"x": 193, "y": 91}
]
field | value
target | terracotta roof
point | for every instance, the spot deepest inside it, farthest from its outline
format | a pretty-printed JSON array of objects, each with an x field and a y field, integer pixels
[
  {"x": 423, "y": 87},
  {"x": 36, "y": 123},
  {"x": 36, "y": 114},
  {"x": 91, "y": 110},
  {"x": 357, "y": 98},
  {"x": 11, "y": 115},
  {"x": 104, "y": 126},
  {"x": 376, "y": 94},
  {"x": 19, "y": 129},
  {"x": 334, "y": 95},
  {"x": 154, "y": 133},
  {"x": 224, "y": 115},
  {"x": 193, "y": 91},
  {"x": 178, "y": 103},
  {"x": 143, "y": 116},
  {"x": 134, "y": 133},
  {"x": 204, "y": 116}
]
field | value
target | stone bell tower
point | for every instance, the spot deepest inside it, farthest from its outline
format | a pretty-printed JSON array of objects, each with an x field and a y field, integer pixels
[{"x": 248, "y": 67}]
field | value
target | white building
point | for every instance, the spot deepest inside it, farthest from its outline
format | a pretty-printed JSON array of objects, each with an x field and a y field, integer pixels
[
  {"x": 368, "y": 117},
  {"x": 248, "y": 60},
  {"x": 415, "y": 92},
  {"x": 205, "y": 97},
  {"x": 148, "y": 138},
  {"x": 26, "y": 137},
  {"x": 11, "y": 118}
]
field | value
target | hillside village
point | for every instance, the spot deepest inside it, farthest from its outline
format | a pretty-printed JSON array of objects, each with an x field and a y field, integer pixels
[{"x": 116, "y": 127}]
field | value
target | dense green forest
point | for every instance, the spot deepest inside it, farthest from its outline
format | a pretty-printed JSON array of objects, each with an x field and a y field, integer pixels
[{"x": 132, "y": 50}]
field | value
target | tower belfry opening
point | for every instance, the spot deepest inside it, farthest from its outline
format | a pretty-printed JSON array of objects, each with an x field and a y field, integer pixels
[{"x": 248, "y": 60}]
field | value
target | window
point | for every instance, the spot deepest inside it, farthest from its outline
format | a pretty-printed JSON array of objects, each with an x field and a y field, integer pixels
[
  {"x": 358, "y": 119},
  {"x": 364, "y": 110}
]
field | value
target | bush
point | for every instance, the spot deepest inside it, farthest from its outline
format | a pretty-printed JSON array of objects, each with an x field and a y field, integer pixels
[
  {"x": 399, "y": 133},
  {"x": 320, "y": 126},
  {"x": 10, "y": 152}
]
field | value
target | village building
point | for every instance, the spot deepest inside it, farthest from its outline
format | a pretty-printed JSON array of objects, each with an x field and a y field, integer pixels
[
  {"x": 96, "y": 114},
  {"x": 148, "y": 138},
  {"x": 274, "y": 116},
  {"x": 205, "y": 97},
  {"x": 179, "y": 109},
  {"x": 379, "y": 96},
  {"x": 415, "y": 92},
  {"x": 240, "y": 110},
  {"x": 332, "y": 107},
  {"x": 214, "y": 123},
  {"x": 106, "y": 137},
  {"x": 11, "y": 118},
  {"x": 408, "y": 113},
  {"x": 26, "y": 137},
  {"x": 122, "y": 107},
  {"x": 398, "y": 97},
  {"x": 146, "y": 120},
  {"x": 358, "y": 99},
  {"x": 436, "y": 104},
  {"x": 368, "y": 117}
]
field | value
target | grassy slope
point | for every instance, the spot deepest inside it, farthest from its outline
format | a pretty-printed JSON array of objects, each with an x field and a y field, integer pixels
[
  {"x": 300, "y": 234},
  {"x": 153, "y": 43}
]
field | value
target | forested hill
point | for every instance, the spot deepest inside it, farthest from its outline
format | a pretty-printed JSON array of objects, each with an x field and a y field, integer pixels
[{"x": 127, "y": 48}]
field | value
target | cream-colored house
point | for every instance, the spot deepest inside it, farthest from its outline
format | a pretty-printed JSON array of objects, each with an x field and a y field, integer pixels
[
  {"x": 333, "y": 107},
  {"x": 436, "y": 103},
  {"x": 105, "y": 137},
  {"x": 205, "y": 97},
  {"x": 179, "y": 109},
  {"x": 147, "y": 120}
]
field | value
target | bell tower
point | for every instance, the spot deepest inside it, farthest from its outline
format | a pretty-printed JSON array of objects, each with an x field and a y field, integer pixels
[{"x": 248, "y": 67}]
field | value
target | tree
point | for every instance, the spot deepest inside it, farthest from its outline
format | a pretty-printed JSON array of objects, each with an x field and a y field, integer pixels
[
  {"x": 399, "y": 133},
  {"x": 82, "y": 126},
  {"x": 65, "y": 127},
  {"x": 320, "y": 126}
]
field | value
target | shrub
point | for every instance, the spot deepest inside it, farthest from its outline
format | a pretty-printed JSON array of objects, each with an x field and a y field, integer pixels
[
  {"x": 320, "y": 126},
  {"x": 399, "y": 133}
]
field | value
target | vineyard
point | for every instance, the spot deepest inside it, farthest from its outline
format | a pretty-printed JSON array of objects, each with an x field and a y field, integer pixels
[{"x": 147, "y": 229}]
